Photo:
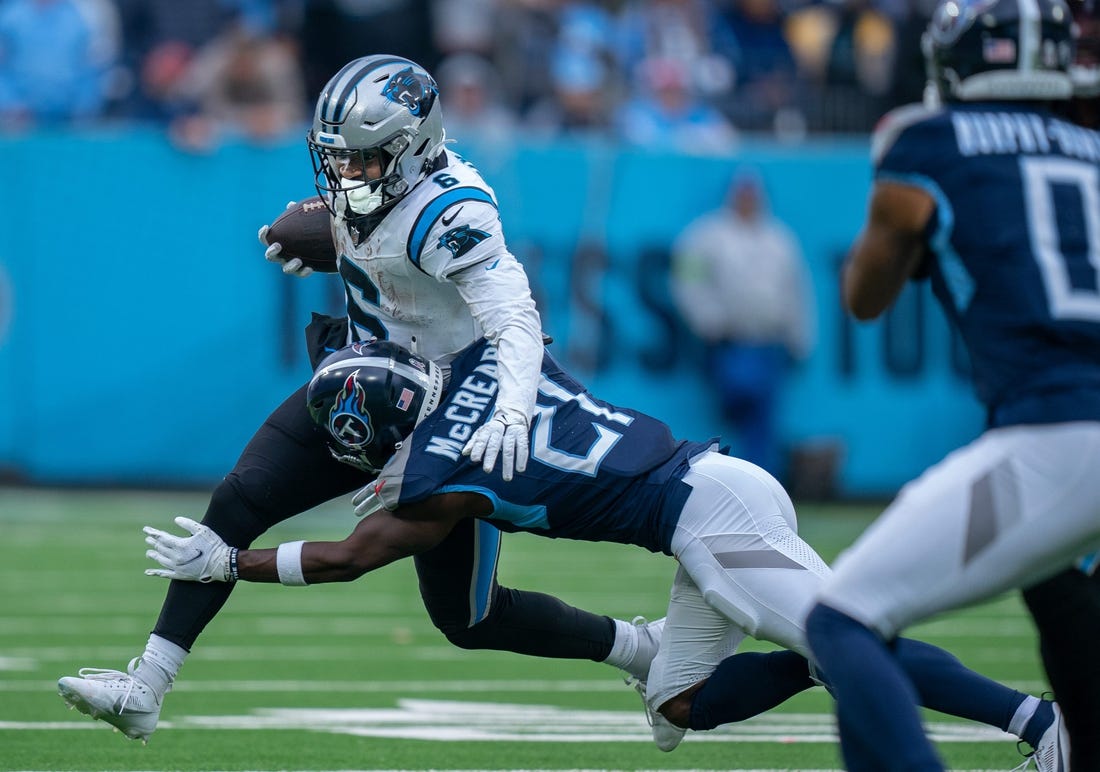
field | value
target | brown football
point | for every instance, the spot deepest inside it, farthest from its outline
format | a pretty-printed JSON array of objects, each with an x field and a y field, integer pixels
[{"x": 304, "y": 231}]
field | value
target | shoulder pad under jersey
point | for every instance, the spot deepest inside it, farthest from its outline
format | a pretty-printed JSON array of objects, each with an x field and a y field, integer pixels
[{"x": 891, "y": 126}]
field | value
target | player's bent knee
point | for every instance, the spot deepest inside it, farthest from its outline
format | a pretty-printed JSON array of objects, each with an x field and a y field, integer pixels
[
  {"x": 230, "y": 516},
  {"x": 678, "y": 709},
  {"x": 465, "y": 638}
]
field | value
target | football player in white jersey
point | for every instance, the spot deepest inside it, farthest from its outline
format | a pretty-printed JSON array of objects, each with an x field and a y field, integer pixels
[{"x": 425, "y": 264}]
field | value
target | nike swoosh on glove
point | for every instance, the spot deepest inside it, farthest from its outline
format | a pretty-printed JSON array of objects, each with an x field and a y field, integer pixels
[
  {"x": 505, "y": 434},
  {"x": 200, "y": 557}
]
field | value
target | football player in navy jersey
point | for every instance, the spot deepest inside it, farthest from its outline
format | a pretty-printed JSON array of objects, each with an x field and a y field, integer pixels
[
  {"x": 596, "y": 472},
  {"x": 423, "y": 258},
  {"x": 997, "y": 198}
]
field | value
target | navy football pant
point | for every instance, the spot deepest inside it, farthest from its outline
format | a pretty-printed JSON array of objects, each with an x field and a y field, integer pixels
[
  {"x": 1066, "y": 610},
  {"x": 286, "y": 469}
]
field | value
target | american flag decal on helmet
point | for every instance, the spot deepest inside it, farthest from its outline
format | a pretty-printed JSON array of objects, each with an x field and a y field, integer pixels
[{"x": 405, "y": 399}]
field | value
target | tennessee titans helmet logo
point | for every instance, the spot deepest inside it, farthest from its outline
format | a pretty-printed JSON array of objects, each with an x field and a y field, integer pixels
[
  {"x": 416, "y": 91},
  {"x": 462, "y": 239},
  {"x": 349, "y": 421}
]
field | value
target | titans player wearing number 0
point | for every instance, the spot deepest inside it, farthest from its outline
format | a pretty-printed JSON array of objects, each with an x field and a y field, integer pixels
[
  {"x": 596, "y": 472},
  {"x": 424, "y": 263},
  {"x": 997, "y": 198}
]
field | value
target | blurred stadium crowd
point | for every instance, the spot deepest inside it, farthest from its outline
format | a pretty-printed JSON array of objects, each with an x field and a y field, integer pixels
[{"x": 689, "y": 75}]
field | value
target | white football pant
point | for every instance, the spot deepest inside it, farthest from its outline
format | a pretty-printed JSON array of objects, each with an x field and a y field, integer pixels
[
  {"x": 743, "y": 571},
  {"x": 1018, "y": 504}
]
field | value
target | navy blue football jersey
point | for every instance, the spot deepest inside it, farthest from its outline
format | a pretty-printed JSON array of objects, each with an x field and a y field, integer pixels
[
  {"x": 1014, "y": 252},
  {"x": 596, "y": 472}
]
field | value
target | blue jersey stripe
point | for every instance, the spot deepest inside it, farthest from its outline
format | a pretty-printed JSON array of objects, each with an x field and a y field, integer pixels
[
  {"x": 522, "y": 515},
  {"x": 955, "y": 275},
  {"x": 487, "y": 544},
  {"x": 419, "y": 232}
]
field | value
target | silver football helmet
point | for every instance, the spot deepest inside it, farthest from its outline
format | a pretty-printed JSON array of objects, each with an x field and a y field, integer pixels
[
  {"x": 377, "y": 109},
  {"x": 999, "y": 49}
]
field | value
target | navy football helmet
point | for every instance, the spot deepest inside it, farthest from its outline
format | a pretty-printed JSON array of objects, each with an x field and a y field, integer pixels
[
  {"x": 368, "y": 397},
  {"x": 1086, "y": 67},
  {"x": 1000, "y": 50},
  {"x": 382, "y": 108}
]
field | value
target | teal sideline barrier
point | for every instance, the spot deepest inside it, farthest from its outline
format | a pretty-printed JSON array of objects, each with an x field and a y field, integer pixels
[{"x": 143, "y": 337}]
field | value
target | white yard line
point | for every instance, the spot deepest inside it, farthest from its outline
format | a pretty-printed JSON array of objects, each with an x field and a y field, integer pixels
[{"x": 450, "y": 720}]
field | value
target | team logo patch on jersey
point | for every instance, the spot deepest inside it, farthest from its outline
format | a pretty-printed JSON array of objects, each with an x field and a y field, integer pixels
[
  {"x": 462, "y": 239},
  {"x": 349, "y": 421},
  {"x": 414, "y": 90}
]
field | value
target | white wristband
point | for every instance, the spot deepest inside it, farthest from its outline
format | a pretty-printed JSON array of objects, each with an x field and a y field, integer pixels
[{"x": 288, "y": 561}]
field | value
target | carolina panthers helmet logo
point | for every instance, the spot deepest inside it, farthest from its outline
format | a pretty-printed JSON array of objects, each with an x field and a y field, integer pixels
[
  {"x": 349, "y": 421},
  {"x": 462, "y": 239},
  {"x": 415, "y": 90}
]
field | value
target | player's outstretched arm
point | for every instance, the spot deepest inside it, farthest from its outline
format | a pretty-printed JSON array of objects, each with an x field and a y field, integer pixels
[{"x": 376, "y": 541}]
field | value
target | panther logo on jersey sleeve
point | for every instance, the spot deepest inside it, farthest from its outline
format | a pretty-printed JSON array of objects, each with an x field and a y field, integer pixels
[
  {"x": 349, "y": 422},
  {"x": 411, "y": 89},
  {"x": 462, "y": 239}
]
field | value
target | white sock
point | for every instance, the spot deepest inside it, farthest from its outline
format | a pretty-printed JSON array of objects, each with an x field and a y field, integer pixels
[
  {"x": 625, "y": 646},
  {"x": 1023, "y": 714},
  {"x": 159, "y": 663}
]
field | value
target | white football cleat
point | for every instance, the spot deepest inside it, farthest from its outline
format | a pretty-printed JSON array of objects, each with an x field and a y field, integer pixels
[
  {"x": 123, "y": 701},
  {"x": 1052, "y": 752},
  {"x": 666, "y": 735}
]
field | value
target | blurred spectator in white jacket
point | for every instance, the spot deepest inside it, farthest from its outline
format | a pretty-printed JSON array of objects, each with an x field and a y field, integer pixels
[{"x": 741, "y": 285}]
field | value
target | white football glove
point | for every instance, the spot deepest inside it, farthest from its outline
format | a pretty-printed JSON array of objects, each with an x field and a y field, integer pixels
[
  {"x": 200, "y": 557},
  {"x": 504, "y": 434},
  {"x": 291, "y": 267}
]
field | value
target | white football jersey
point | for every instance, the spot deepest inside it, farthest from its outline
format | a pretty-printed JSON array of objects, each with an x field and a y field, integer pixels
[
  {"x": 396, "y": 281},
  {"x": 435, "y": 275}
]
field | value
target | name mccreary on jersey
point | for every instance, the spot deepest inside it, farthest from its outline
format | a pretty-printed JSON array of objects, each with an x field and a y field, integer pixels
[
  {"x": 465, "y": 406},
  {"x": 989, "y": 133}
]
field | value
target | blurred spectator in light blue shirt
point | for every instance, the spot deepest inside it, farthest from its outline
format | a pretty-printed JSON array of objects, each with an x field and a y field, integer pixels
[
  {"x": 668, "y": 114},
  {"x": 690, "y": 32},
  {"x": 56, "y": 60},
  {"x": 585, "y": 88}
]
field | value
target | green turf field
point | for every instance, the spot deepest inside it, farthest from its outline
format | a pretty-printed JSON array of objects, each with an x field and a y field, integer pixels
[{"x": 354, "y": 677}]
